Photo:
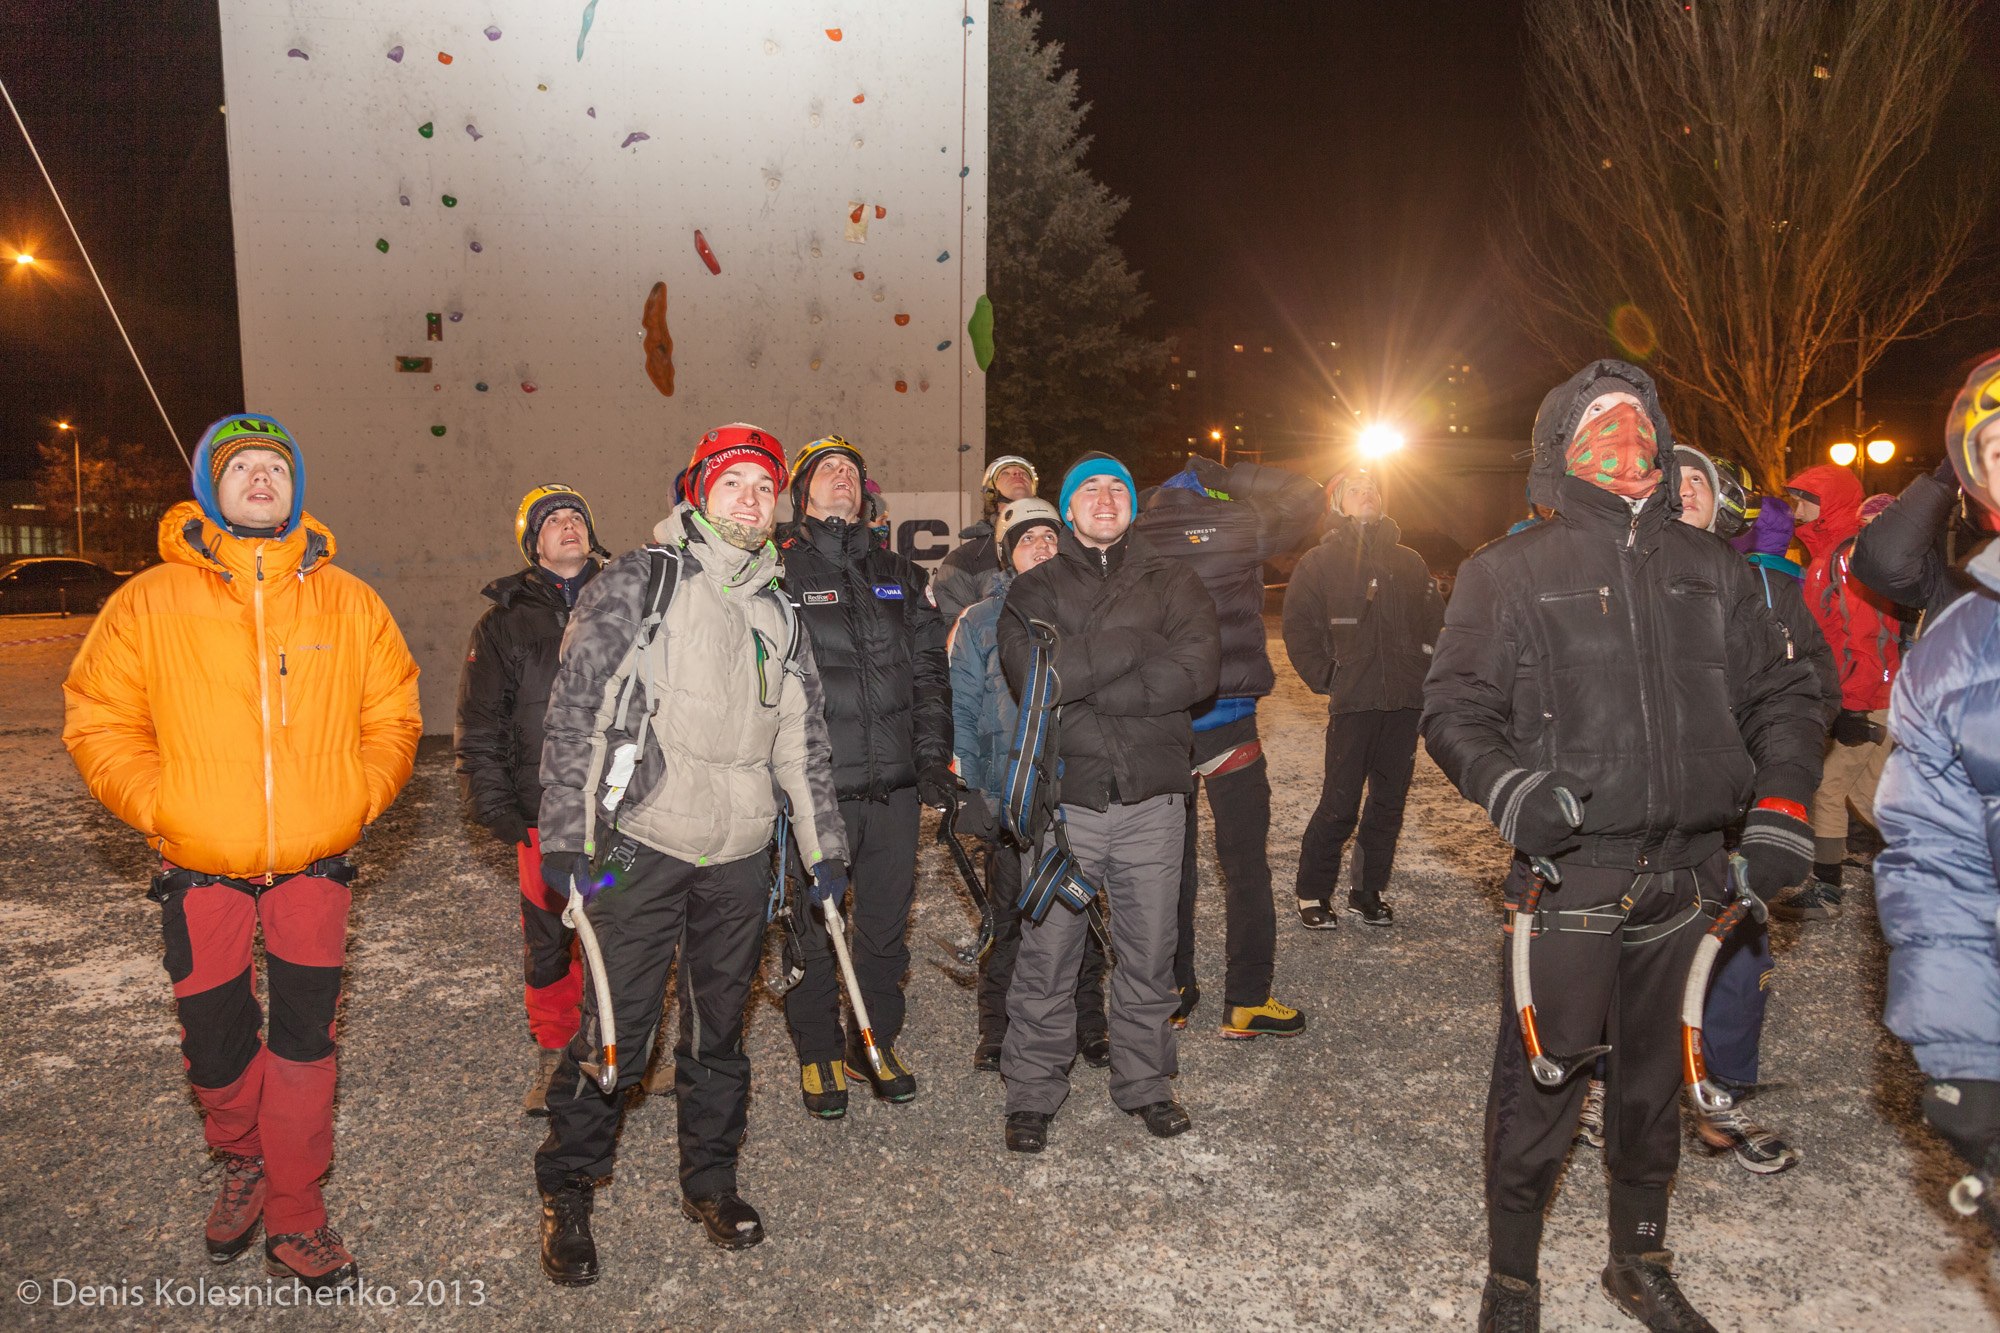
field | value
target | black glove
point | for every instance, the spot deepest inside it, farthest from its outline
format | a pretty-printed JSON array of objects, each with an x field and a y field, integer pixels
[
  {"x": 1853, "y": 727},
  {"x": 1212, "y": 475},
  {"x": 975, "y": 815},
  {"x": 1777, "y": 847},
  {"x": 1967, "y": 1112},
  {"x": 562, "y": 869},
  {"x": 937, "y": 786},
  {"x": 829, "y": 882},
  {"x": 1538, "y": 810},
  {"x": 509, "y": 827}
]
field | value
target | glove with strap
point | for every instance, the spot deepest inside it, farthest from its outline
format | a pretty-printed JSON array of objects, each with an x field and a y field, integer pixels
[
  {"x": 975, "y": 815},
  {"x": 937, "y": 786},
  {"x": 561, "y": 870},
  {"x": 1538, "y": 810},
  {"x": 1776, "y": 847},
  {"x": 509, "y": 827},
  {"x": 829, "y": 882},
  {"x": 1855, "y": 727}
]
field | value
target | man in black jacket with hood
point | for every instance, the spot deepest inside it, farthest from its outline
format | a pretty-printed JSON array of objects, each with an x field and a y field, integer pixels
[
  {"x": 880, "y": 645},
  {"x": 1361, "y": 616},
  {"x": 1600, "y": 687},
  {"x": 503, "y": 693}
]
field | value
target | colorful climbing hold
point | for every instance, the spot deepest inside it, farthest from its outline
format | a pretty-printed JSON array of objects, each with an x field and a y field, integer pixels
[
  {"x": 457, "y": 315},
  {"x": 395, "y": 53},
  {"x": 382, "y": 245},
  {"x": 980, "y": 327},
  {"x": 923, "y": 386},
  {"x": 880, "y": 212},
  {"x": 527, "y": 386},
  {"x": 438, "y": 431},
  {"x": 707, "y": 255},
  {"x": 859, "y": 275},
  {"x": 473, "y": 130},
  {"x": 854, "y": 213},
  {"x": 659, "y": 343},
  {"x": 833, "y": 34},
  {"x": 814, "y": 363},
  {"x": 437, "y": 388},
  {"x": 589, "y": 13},
  {"x": 590, "y": 111},
  {"x": 444, "y": 57},
  {"x": 541, "y": 87},
  {"x": 636, "y": 136},
  {"x": 477, "y": 248},
  {"x": 877, "y": 297},
  {"x": 426, "y": 129},
  {"x": 859, "y": 98},
  {"x": 413, "y": 365},
  {"x": 963, "y": 172},
  {"x": 449, "y": 200},
  {"x": 492, "y": 33},
  {"x": 434, "y": 327},
  {"x": 968, "y": 20},
  {"x": 404, "y": 199},
  {"x": 480, "y": 385},
  {"x": 902, "y": 320},
  {"x": 946, "y": 343},
  {"x": 902, "y": 386},
  {"x": 943, "y": 255},
  {"x": 297, "y": 54}
]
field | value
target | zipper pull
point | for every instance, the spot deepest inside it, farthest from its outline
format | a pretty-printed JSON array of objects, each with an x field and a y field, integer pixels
[
  {"x": 1632, "y": 535},
  {"x": 260, "y": 562},
  {"x": 1604, "y": 600},
  {"x": 281, "y": 661},
  {"x": 1372, "y": 583}
]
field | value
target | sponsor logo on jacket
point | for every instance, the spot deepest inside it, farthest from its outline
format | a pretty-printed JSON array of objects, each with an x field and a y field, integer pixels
[
  {"x": 827, "y": 598},
  {"x": 889, "y": 592}
]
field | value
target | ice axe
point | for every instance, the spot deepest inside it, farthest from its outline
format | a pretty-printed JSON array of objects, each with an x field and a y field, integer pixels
[
  {"x": 838, "y": 935},
  {"x": 1706, "y": 1096},
  {"x": 966, "y": 955},
  {"x": 791, "y": 969},
  {"x": 577, "y": 918},
  {"x": 1551, "y": 1071}
]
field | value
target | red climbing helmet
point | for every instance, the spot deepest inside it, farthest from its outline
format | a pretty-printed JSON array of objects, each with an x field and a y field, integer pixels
[{"x": 726, "y": 446}]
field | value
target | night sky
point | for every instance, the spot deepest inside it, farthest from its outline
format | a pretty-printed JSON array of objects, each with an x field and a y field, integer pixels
[{"x": 1294, "y": 167}]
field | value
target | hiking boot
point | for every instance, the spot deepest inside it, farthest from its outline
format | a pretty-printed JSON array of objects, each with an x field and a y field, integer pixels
[
  {"x": 1642, "y": 1285},
  {"x": 1372, "y": 911},
  {"x": 1164, "y": 1119},
  {"x": 658, "y": 1080},
  {"x": 1190, "y": 997},
  {"x": 1317, "y": 914},
  {"x": 898, "y": 1083},
  {"x": 1590, "y": 1124},
  {"x": 569, "y": 1255},
  {"x": 316, "y": 1259},
  {"x": 1509, "y": 1305},
  {"x": 1269, "y": 1019},
  {"x": 986, "y": 1056},
  {"x": 233, "y": 1218},
  {"x": 536, "y": 1102},
  {"x": 823, "y": 1084},
  {"x": 1027, "y": 1131},
  {"x": 1757, "y": 1148},
  {"x": 1815, "y": 900},
  {"x": 730, "y": 1222},
  {"x": 1095, "y": 1050}
]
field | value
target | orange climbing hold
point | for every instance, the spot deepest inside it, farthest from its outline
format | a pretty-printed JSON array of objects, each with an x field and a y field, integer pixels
[
  {"x": 833, "y": 34},
  {"x": 707, "y": 255},
  {"x": 444, "y": 57},
  {"x": 901, "y": 319},
  {"x": 855, "y": 215},
  {"x": 859, "y": 275},
  {"x": 902, "y": 386},
  {"x": 658, "y": 341},
  {"x": 880, "y": 212},
  {"x": 859, "y": 98}
]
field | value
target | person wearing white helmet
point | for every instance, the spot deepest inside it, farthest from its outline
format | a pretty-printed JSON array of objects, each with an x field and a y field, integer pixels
[{"x": 971, "y": 571}]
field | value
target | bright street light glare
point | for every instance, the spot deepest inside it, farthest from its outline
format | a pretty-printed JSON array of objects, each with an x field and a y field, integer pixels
[
  {"x": 1881, "y": 451},
  {"x": 1843, "y": 453},
  {"x": 1378, "y": 440},
  {"x": 62, "y": 425},
  {"x": 24, "y": 258}
]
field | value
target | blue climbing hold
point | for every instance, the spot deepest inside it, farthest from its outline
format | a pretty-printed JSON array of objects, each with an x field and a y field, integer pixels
[
  {"x": 943, "y": 255},
  {"x": 589, "y": 13},
  {"x": 946, "y": 343}
]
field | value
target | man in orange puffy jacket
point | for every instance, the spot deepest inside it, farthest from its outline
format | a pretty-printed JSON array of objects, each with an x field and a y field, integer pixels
[
  {"x": 1862, "y": 629},
  {"x": 250, "y": 708}
]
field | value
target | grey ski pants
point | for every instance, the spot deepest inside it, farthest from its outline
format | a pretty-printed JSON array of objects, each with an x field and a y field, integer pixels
[{"x": 1132, "y": 853}]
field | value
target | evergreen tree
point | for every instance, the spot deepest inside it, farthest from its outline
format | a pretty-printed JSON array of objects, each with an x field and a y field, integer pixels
[{"x": 1069, "y": 373}]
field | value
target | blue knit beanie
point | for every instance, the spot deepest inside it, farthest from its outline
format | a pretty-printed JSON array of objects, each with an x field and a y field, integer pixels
[{"x": 1093, "y": 464}]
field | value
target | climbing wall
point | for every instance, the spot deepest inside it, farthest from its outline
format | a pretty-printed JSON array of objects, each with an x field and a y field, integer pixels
[{"x": 480, "y": 246}]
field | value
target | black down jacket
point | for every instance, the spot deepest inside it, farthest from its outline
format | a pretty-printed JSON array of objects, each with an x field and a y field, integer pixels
[
  {"x": 503, "y": 693},
  {"x": 1263, "y": 512},
  {"x": 1361, "y": 618},
  {"x": 1627, "y": 648},
  {"x": 1137, "y": 649},
  {"x": 880, "y": 645},
  {"x": 969, "y": 574}
]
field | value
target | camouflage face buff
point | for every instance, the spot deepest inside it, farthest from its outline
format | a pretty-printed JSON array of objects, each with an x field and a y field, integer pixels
[{"x": 1618, "y": 452}]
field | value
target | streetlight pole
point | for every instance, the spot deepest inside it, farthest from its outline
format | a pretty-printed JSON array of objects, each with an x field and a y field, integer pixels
[{"x": 76, "y": 445}]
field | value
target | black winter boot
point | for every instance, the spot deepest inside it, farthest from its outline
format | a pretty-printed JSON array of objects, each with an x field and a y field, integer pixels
[
  {"x": 1642, "y": 1285},
  {"x": 1510, "y": 1305},
  {"x": 730, "y": 1222},
  {"x": 569, "y": 1255}
]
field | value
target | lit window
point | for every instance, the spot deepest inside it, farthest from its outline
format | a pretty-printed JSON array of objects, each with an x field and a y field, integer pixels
[
  {"x": 1267, "y": 351},
  {"x": 1190, "y": 374},
  {"x": 1236, "y": 346}
]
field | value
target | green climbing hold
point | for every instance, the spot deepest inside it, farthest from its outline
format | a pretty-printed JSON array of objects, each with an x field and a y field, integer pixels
[
  {"x": 980, "y": 327},
  {"x": 382, "y": 245},
  {"x": 425, "y": 129},
  {"x": 437, "y": 430},
  {"x": 451, "y": 201}
]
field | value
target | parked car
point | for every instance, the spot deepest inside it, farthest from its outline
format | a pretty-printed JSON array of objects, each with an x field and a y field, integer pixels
[{"x": 42, "y": 585}]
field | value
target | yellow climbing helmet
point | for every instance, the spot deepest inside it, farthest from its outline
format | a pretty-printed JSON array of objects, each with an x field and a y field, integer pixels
[
  {"x": 538, "y": 504},
  {"x": 812, "y": 456}
]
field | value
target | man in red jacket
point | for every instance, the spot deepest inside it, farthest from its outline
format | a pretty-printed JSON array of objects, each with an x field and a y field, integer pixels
[{"x": 1863, "y": 631}]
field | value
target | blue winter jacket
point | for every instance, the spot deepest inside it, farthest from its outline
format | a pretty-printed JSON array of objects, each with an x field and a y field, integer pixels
[
  {"x": 1939, "y": 810},
  {"x": 983, "y": 711}
]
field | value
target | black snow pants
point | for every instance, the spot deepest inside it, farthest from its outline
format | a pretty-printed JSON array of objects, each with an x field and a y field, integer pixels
[
  {"x": 1003, "y": 886},
  {"x": 713, "y": 915},
  {"x": 1239, "y": 800},
  {"x": 1591, "y": 987},
  {"x": 1377, "y": 748}
]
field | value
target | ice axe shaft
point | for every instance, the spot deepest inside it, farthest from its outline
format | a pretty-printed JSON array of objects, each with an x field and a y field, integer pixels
[
  {"x": 1551, "y": 1071},
  {"x": 838, "y": 935},
  {"x": 577, "y": 918},
  {"x": 1707, "y": 1096},
  {"x": 967, "y": 955}
]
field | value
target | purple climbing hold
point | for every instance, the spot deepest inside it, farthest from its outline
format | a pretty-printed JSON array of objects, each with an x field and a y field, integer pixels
[
  {"x": 396, "y": 54},
  {"x": 943, "y": 255},
  {"x": 478, "y": 249},
  {"x": 946, "y": 343},
  {"x": 492, "y": 33},
  {"x": 297, "y": 54},
  {"x": 473, "y": 130},
  {"x": 404, "y": 199},
  {"x": 636, "y": 136},
  {"x": 590, "y": 111},
  {"x": 457, "y": 315}
]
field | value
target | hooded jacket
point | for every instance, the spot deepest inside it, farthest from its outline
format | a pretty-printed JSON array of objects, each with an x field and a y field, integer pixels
[
  {"x": 1767, "y": 540},
  {"x": 503, "y": 694},
  {"x": 1624, "y": 647},
  {"x": 970, "y": 572},
  {"x": 1361, "y": 618},
  {"x": 1138, "y": 648},
  {"x": 1937, "y": 884},
  {"x": 1859, "y": 626},
  {"x": 246, "y": 704},
  {"x": 731, "y": 720},
  {"x": 880, "y": 643},
  {"x": 983, "y": 712}
]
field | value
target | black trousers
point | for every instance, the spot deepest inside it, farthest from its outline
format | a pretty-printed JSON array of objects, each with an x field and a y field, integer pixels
[
  {"x": 882, "y": 867},
  {"x": 713, "y": 915},
  {"x": 1003, "y": 885},
  {"x": 1591, "y": 988},
  {"x": 1240, "y": 802},
  {"x": 1376, "y": 748}
]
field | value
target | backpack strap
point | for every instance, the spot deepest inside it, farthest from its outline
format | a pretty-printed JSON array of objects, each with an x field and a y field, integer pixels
[
  {"x": 614, "y": 710},
  {"x": 1029, "y": 792}
]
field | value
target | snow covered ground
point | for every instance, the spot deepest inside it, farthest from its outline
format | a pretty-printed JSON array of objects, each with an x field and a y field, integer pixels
[{"x": 1331, "y": 1181}]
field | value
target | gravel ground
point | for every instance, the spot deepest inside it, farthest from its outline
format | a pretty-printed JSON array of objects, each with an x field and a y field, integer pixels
[{"x": 1330, "y": 1181}]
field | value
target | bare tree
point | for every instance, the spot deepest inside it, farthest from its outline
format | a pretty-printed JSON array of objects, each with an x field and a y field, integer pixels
[
  {"x": 127, "y": 488},
  {"x": 1737, "y": 192}
]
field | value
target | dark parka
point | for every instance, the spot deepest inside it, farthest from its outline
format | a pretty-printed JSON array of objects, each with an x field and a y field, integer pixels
[
  {"x": 503, "y": 695},
  {"x": 970, "y": 573},
  {"x": 880, "y": 645},
  {"x": 1904, "y": 555},
  {"x": 1627, "y": 648},
  {"x": 1361, "y": 618},
  {"x": 1262, "y": 513},
  {"x": 1138, "y": 647}
]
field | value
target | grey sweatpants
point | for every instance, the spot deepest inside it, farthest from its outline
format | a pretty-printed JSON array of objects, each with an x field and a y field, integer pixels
[{"x": 1132, "y": 853}]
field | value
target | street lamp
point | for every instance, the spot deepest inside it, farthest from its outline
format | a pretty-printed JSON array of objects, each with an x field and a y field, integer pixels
[
  {"x": 1843, "y": 454},
  {"x": 1881, "y": 451},
  {"x": 24, "y": 258},
  {"x": 1379, "y": 440},
  {"x": 76, "y": 446}
]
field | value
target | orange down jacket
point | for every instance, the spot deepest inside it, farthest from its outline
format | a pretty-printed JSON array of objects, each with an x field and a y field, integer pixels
[{"x": 246, "y": 705}]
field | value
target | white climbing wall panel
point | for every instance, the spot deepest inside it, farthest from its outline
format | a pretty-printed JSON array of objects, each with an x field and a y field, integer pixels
[{"x": 528, "y": 182}]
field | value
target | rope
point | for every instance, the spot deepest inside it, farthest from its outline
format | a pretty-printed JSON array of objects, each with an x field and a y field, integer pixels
[{"x": 37, "y": 155}]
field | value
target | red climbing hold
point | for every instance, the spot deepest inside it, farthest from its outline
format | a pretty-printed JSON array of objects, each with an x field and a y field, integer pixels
[
  {"x": 859, "y": 98},
  {"x": 444, "y": 58},
  {"x": 833, "y": 34},
  {"x": 527, "y": 386},
  {"x": 855, "y": 216},
  {"x": 902, "y": 386},
  {"x": 859, "y": 275},
  {"x": 707, "y": 255},
  {"x": 901, "y": 320},
  {"x": 880, "y": 212}
]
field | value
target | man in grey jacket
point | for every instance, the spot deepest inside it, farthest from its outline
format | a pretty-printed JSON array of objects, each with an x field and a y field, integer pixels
[{"x": 686, "y": 705}]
